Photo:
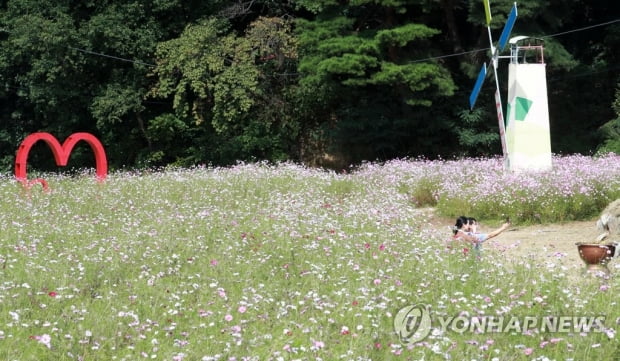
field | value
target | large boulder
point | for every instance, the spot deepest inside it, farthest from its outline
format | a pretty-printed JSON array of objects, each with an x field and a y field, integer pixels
[{"x": 609, "y": 221}]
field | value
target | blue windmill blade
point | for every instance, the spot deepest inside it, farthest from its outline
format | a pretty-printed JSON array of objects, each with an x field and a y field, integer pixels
[
  {"x": 503, "y": 38},
  {"x": 512, "y": 17},
  {"x": 474, "y": 93}
]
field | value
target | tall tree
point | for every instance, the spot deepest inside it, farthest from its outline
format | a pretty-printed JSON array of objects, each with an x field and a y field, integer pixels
[
  {"x": 72, "y": 66},
  {"x": 282, "y": 79},
  {"x": 128, "y": 32},
  {"x": 611, "y": 130},
  {"x": 579, "y": 99},
  {"x": 227, "y": 91},
  {"x": 359, "y": 58},
  {"x": 39, "y": 71}
]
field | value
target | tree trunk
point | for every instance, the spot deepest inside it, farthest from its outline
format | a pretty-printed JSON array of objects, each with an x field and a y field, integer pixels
[{"x": 143, "y": 130}]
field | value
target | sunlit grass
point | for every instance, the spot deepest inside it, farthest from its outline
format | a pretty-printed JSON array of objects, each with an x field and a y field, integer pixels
[{"x": 282, "y": 262}]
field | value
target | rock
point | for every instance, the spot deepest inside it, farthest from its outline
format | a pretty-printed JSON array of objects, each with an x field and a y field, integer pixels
[{"x": 609, "y": 221}]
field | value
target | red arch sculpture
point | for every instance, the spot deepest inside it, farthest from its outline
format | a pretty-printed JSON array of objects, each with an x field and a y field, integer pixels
[{"x": 61, "y": 154}]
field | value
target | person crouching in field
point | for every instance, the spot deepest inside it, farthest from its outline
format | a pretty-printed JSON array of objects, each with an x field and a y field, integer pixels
[
  {"x": 466, "y": 231},
  {"x": 483, "y": 237}
]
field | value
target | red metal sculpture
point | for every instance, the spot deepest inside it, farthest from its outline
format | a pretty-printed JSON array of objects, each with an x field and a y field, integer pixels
[{"x": 61, "y": 154}]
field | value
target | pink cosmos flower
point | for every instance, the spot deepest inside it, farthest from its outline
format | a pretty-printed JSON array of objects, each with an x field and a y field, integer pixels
[
  {"x": 45, "y": 339},
  {"x": 228, "y": 318},
  {"x": 610, "y": 332},
  {"x": 178, "y": 357},
  {"x": 318, "y": 344},
  {"x": 204, "y": 313},
  {"x": 242, "y": 309},
  {"x": 528, "y": 351}
]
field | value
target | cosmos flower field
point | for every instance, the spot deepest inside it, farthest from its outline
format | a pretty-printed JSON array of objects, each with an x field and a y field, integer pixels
[{"x": 284, "y": 262}]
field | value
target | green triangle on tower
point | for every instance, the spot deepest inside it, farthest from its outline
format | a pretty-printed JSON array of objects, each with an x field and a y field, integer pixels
[{"x": 522, "y": 107}]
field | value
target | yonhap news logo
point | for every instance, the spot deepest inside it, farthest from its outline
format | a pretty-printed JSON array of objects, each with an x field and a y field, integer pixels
[{"x": 414, "y": 323}]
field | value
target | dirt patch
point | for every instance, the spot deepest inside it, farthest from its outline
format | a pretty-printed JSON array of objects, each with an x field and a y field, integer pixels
[{"x": 539, "y": 243}]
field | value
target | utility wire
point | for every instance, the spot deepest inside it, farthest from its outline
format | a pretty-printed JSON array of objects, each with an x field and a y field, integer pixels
[
  {"x": 4, "y": 30},
  {"x": 542, "y": 37},
  {"x": 581, "y": 29},
  {"x": 564, "y": 77},
  {"x": 449, "y": 55},
  {"x": 112, "y": 57},
  {"x": 413, "y": 61}
]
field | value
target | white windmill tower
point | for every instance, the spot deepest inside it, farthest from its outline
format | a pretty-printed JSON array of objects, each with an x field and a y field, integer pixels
[
  {"x": 528, "y": 137},
  {"x": 526, "y": 141}
]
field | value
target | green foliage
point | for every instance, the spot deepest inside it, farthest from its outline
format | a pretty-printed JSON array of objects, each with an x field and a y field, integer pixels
[
  {"x": 577, "y": 188},
  {"x": 198, "y": 56},
  {"x": 272, "y": 38},
  {"x": 611, "y": 129},
  {"x": 403, "y": 35},
  {"x": 558, "y": 58},
  {"x": 270, "y": 79},
  {"x": 423, "y": 191},
  {"x": 46, "y": 69},
  {"x": 342, "y": 188},
  {"x": 473, "y": 136},
  {"x": 213, "y": 76},
  {"x": 115, "y": 102},
  {"x": 315, "y": 6},
  {"x": 360, "y": 64}
]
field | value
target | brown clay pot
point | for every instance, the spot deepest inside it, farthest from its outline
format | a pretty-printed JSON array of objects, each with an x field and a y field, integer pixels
[{"x": 596, "y": 256}]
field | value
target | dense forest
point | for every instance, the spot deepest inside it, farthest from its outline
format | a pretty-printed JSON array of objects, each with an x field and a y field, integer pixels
[{"x": 323, "y": 82}]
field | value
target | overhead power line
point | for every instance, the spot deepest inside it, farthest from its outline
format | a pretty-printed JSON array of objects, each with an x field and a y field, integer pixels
[
  {"x": 90, "y": 52},
  {"x": 581, "y": 29},
  {"x": 542, "y": 37},
  {"x": 413, "y": 61},
  {"x": 111, "y": 56},
  {"x": 449, "y": 55}
]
